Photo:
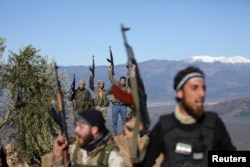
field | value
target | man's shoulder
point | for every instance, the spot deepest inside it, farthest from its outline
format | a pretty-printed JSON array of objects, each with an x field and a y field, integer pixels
[
  {"x": 211, "y": 115},
  {"x": 87, "y": 90},
  {"x": 210, "y": 119},
  {"x": 112, "y": 145},
  {"x": 110, "y": 154},
  {"x": 165, "y": 117},
  {"x": 167, "y": 121}
]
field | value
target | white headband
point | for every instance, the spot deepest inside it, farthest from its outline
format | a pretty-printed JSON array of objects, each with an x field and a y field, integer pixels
[{"x": 187, "y": 77}]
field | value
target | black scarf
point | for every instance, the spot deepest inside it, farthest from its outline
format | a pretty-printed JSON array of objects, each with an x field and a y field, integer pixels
[{"x": 101, "y": 139}]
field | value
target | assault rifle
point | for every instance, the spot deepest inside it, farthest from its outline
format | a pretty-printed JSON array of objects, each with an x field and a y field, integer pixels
[
  {"x": 72, "y": 89},
  {"x": 138, "y": 93},
  {"x": 111, "y": 60},
  {"x": 92, "y": 69},
  {"x": 61, "y": 119}
]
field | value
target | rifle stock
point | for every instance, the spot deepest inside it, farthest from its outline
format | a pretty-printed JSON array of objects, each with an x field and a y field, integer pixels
[
  {"x": 57, "y": 117},
  {"x": 61, "y": 111},
  {"x": 138, "y": 93}
]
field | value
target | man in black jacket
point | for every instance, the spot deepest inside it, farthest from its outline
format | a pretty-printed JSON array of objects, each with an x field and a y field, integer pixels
[{"x": 186, "y": 135}]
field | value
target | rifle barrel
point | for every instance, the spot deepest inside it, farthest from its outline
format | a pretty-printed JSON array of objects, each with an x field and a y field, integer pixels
[
  {"x": 138, "y": 92},
  {"x": 111, "y": 60},
  {"x": 60, "y": 105}
]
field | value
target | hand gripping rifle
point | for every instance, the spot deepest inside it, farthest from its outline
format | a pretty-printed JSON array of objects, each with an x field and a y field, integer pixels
[
  {"x": 138, "y": 93},
  {"x": 111, "y": 60},
  {"x": 61, "y": 119},
  {"x": 92, "y": 69}
]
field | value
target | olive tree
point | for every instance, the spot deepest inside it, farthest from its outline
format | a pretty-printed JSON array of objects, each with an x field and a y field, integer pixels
[
  {"x": 29, "y": 90},
  {"x": 2, "y": 48}
]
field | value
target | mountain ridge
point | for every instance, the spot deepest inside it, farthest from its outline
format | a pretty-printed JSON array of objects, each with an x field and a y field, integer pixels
[
  {"x": 224, "y": 80},
  {"x": 234, "y": 107}
]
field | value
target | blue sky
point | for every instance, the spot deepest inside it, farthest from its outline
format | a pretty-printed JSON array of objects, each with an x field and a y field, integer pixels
[{"x": 73, "y": 31}]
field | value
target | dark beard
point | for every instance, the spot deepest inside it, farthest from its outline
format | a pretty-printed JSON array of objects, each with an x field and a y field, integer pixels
[
  {"x": 101, "y": 139},
  {"x": 190, "y": 111},
  {"x": 87, "y": 140}
]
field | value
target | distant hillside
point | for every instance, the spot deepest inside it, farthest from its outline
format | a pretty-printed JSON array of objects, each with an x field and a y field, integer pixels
[
  {"x": 224, "y": 80},
  {"x": 237, "y": 107}
]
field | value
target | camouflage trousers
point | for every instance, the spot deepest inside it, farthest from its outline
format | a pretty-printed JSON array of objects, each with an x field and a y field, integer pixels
[{"x": 103, "y": 110}]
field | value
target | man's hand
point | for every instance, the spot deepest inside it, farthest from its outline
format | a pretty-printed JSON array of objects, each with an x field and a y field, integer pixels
[
  {"x": 129, "y": 128},
  {"x": 60, "y": 144},
  {"x": 142, "y": 143},
  {"x": 110, "y": 68},
  {"x": 72, "y": 91}
]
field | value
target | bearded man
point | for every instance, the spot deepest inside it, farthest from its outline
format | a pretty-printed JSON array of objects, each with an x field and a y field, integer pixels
[
  {"x": 185, "y": 136},
  {"x": 95, "y": 145}
]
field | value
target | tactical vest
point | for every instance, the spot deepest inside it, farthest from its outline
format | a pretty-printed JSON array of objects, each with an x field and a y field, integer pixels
[
  {"x": 187, "y": 145},
  {"x": 101, "y": 98},
  {"x": 102, "y": 102},
  {"x": 100, "y": 157}
]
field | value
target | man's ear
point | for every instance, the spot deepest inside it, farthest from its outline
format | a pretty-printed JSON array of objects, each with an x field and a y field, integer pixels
[
  {"x": 94, "y": 129},
  {"x": 180, "y": 94}
]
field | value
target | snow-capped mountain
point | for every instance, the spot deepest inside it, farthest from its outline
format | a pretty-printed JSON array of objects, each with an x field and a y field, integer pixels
[{"x": 210, "y": 59}]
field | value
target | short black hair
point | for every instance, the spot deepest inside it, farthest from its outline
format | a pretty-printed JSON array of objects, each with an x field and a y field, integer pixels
[{"x": 122, "y": 77}]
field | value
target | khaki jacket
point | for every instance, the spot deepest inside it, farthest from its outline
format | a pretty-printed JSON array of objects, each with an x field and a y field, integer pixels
[{"x": 80, "y": 157}]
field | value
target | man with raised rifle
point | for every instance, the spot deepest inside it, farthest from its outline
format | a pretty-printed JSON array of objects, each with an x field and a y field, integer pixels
[
  {"x": 100, "y": 100},
  {"x": 95, "y": 145},
  {"x": 118, "y": 107},
  {"x": 81, "y": 97}
]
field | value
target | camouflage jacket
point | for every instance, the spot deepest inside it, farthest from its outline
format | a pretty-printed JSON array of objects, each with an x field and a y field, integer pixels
[
  {"x": 100, "y": 95},
  {"x": 82, "y": 99}
]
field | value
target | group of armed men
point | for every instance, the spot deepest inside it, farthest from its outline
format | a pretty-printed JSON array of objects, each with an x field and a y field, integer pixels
[
  {"x": 184, "y": 136},
  {"x": 82, "y": 99}
]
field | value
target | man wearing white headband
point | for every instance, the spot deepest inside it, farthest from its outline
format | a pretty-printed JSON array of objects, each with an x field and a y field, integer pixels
[
  {"x": 190, "y": 88},
  {"x": 186, "y": 135}
]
